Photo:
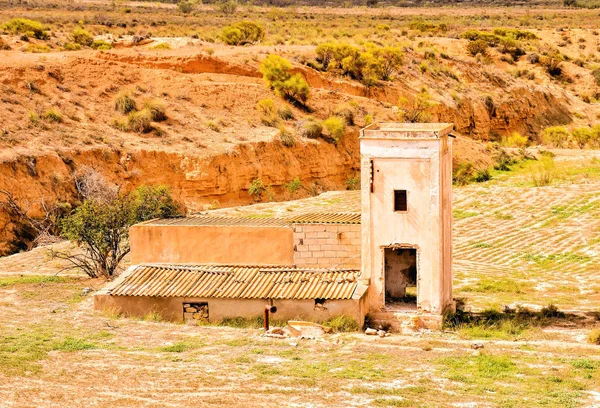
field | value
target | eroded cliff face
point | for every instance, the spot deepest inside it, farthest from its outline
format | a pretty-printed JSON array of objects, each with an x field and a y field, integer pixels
[{"x": 197, "y": 182}]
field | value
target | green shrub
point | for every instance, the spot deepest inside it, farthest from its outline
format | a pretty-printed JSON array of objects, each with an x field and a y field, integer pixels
[
  {"x": 277, "y": 75},
  {"x": 140, "y": 121},
  {"x": 293, "y": 186},
  {"x": 257, "y": 189},
  {"x": 556, "y": 136},
  {"x": 368, "y": 119},
  {"x": 156, "y": 109},
  {"x": 478, "y": 46},
  {"x": 125, "y": 103},
  {"x": 71, "y": 47},
  {"x": 162, "y": 46},
  {"x": 186, "y": 6},
  {"x": 335, "y": 128},
  {"x": 515, "y": 140},
  {"x": 82, "y": 37},
  {"x": 582, "y": 136},
  {"x": 244, "y": 32},
  {"x": 309, "y": 128},
  {"x": 367, "y": 64},
  {"x": 53, "y": 115},
  {"x": 101, "y": 45},
  {"x": 25, "y": 26}
]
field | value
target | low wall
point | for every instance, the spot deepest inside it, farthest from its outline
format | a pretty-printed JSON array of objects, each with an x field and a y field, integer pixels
[
  {"x": 327, "y": 245},
  {"x": 171, "y": 309},
  {"x": 227, "y": 245}
]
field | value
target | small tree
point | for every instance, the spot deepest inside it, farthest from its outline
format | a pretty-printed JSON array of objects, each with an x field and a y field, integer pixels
[
  {"x": 101, "y": 228},
  {"x": 257, "y": 189},
  {"x": 277, "y": 75},
  {"x": 293, "y": 186}
]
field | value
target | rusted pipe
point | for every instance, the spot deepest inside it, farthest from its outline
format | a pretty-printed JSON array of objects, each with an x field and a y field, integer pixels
[{"x": 272, "y": 309}]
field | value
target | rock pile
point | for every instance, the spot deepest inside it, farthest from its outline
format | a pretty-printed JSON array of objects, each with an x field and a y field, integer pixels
[
  {"x": 194, "y": 313},
  {"x": 372, "y": 332}
]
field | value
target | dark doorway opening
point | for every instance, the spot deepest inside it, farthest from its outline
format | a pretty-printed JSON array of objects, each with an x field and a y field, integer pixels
[{"x": 400, "y": 278}]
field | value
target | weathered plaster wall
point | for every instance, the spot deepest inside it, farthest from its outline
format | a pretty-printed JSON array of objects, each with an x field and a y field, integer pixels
[
  {"x": 327, "y": 245},
  {"x": 287, "y": 309},
  {"x": 229, "y": 245},
  {"x": 419, "y": 166}
]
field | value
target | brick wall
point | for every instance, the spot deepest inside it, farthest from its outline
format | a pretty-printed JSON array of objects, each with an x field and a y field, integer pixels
[{"x": 327, "y": 245}]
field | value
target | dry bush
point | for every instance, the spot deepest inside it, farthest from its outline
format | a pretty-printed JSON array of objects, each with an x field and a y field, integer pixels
[
  {"x": 335, "y": 128},
  {"x": 156, "y": 109},
  {"x": 125, "y": 103},
  {"x": 309, "y": 128},
  {"x": 140, "y": 121},
  {"x": 287, "y": 137},
  {"x": 542, "y": 173}
]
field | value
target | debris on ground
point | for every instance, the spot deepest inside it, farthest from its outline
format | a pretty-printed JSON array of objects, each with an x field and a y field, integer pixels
[
  {"x": 476, "y": 346},
  {"x": 370, "y": 332}
]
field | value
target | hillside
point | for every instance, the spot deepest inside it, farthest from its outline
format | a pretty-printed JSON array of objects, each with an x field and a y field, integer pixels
[{"x": 58, "y": 117}]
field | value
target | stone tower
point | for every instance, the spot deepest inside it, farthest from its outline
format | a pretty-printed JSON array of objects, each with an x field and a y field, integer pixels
[{"x": 406, "y": 176}]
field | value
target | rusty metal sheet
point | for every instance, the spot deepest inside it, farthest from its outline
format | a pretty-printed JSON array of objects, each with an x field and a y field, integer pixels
[{"x": 237, "y": 282}]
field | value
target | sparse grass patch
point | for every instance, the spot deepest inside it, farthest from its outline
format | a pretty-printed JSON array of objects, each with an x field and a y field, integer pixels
[
  {"x": 53, "y": 115},
  {"x": 182, "y": 346},
  {"x": 31, "y": 28},
  {"x": 32, "y": 279},
  {"x": 73, "y": 344},
  {"x": 161, "y": 46},
  {"x": 342, "y": 324},
  {"x": 37, "y": 48},
  {"x": 594, "y": 336},
  {"x": 461, "y": 214}
]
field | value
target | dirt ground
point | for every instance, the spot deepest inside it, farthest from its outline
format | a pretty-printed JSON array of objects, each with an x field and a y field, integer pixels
[{"x": 55, "y": 351}]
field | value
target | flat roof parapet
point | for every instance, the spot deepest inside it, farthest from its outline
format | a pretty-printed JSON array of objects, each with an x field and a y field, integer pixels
[{"x": 395, "y": 130}]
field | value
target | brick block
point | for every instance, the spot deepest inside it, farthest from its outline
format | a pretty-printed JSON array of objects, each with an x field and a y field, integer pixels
[
  {"x": 298, "y": 228},
  {"x": 326, "y": 234},
  {"x": 302, "y": 248},
  {"x": 311, "y": 241},
  {"x": 326, "y": 247},
  {"x": 329, "y": 254},
  {"x": 306, "y": 254},
  {"x": 314, "y": 247},
  {"x": 311, "y": 261},
  {"x": 312, "y": 235}
]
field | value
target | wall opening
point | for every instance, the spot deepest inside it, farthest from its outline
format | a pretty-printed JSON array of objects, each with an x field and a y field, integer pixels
[
  {"x": 400, "y": 274},
  {"x": 195, "y": 313}
]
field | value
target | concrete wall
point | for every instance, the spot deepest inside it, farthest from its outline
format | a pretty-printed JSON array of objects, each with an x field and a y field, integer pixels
[
  {"x": 420, "y": 166},
  {"x": 171, "y": 309},
  {"x": 229, "y": 245},
  {"x": 327, "y": 245}
]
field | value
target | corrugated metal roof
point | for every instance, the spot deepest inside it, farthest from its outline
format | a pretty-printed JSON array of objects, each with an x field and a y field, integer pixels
[
  {"x": 326, "y": 218},
  {"x": 242, "y": 282},
  {"x": 220, "y": 220},
  {"x": 308, "y": 218}
]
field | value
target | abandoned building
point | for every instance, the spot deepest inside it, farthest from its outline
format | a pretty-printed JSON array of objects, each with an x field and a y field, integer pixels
[{"x": 385, "y": 251}]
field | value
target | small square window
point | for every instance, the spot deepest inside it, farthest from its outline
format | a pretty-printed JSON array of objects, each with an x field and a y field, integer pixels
[{"x": 400, "y": 203}]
